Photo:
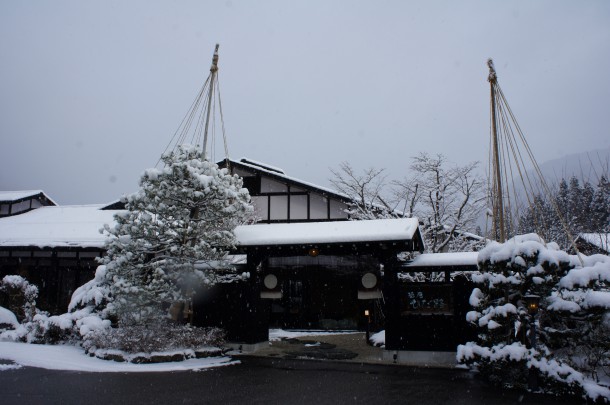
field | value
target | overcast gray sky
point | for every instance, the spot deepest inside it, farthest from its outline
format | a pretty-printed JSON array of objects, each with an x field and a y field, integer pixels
[{"x": 92, "y": 91}]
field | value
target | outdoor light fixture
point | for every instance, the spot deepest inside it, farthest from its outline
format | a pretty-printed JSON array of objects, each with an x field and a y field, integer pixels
[
  {"x": 369, "y": 280},
  {"x": 533, "y": 303},
  {"x": 313, "y": 252},
  {"x": 270, "y": 281},
  {"x": 367, "y": 335}
]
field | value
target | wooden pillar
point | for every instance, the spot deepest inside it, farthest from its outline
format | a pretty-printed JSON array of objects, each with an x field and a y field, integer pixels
[
  {"x": 391, "y": 293},
  {"x": 254, "y": 310}
]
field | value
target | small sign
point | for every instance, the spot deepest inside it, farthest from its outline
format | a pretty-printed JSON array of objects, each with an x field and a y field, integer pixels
[{"x": 426, "y": 299}]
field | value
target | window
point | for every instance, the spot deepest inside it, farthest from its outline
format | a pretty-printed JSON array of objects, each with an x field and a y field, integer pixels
[
  {"x": 298, "y": 207},
  {"x": 337, "y": 209},
  {"x": 272, "y": 186},
  {"x": 318, "y": 206},
  {"x": 241, "y": 173},
  {"x": 43, "y": 253},
  {"x": 20, "y": 206},
  {"x": 252, "y": 184},
  {"x": 66, "y": 254},
  {"x": 279, "y": 207},
  {"x": 88, "y": 255},
  {"x": 22, "y": 253},
  {"x": 261, "y": 207}
]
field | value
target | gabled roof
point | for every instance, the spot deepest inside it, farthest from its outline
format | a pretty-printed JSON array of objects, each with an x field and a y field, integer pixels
[
  {"x": 599, "y": 240},
  {"x": 16, "y": 196},
  {"x": 278, "y": 174},
  {"x": 67, "y": 226}
]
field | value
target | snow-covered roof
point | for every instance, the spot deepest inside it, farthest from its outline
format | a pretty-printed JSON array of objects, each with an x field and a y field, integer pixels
[
  {"x": 379, "y": 230},
  {"x": 600, "y": 240},
  {"x": 6, "y": 196},
  {"x": 445, "y": 259},
  {"x": 262, "y": 165},
  {"x": 78, "y": 226},
  {"x": 67, "y": 226}
]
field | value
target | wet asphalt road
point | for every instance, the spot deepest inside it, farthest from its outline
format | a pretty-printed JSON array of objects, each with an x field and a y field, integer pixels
[{"x": 260, "y": 381}]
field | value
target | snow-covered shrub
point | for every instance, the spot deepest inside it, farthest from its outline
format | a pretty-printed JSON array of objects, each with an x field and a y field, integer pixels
[
  {"x": 21, "y": 296},
  {"x": 39, "y": 327},
  {"x": 508, "y": 272},
  {"x": 34, "y": 325},
  {"x": 163, "y": 337},
  {"x": 93, "y": 297},
  {"x": 183, "y": 213}
]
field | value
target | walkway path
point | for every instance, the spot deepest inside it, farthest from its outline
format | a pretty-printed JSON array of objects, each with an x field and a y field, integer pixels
[{"x": 350, "y": 347}]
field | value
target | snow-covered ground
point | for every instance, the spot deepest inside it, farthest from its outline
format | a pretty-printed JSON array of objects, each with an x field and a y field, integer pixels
[
  {"x": 66, "y": 357},
  {"x": 278, "y": 334}
]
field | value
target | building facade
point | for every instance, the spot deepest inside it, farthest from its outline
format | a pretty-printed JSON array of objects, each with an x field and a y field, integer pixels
[{"x": 309, "y": 267}]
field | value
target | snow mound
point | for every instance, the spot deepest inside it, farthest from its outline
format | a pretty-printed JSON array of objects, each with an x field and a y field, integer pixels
[
  {"x": 8, "y": 318},
  {"x": 72, "y": 358}
]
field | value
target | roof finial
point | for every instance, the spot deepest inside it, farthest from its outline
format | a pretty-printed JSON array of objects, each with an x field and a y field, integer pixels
[
  {"x": 492, "y": 72},
  {"x": 214, "y": 67}
]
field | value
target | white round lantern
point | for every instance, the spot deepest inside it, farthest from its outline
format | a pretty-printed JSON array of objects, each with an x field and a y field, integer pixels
[
  {"x": 270, "y": 281},
  {"x": 369, "y": 280}
]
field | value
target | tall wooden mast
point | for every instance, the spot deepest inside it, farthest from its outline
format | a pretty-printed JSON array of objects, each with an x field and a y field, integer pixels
[
  {"x": 200, "y": 124},
  {"x": 213, "y": 72},
  {"x": 497, "y": 198}
]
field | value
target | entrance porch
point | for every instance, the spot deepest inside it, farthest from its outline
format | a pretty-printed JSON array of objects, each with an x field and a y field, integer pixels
[{"x": 311, "y": 275}]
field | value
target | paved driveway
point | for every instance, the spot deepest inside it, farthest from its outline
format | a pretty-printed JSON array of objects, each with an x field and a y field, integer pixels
[{"x": 259, "y": 381}]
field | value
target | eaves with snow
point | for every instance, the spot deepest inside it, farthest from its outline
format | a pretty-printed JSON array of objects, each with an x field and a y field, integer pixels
[
  {"x": 50, "y": 227},
  {"x": 468, "y": 259},
  {"x": 380, "y": 230},
  {"x": 12, "y": 196},
  {"x": 79, "y": 226}
]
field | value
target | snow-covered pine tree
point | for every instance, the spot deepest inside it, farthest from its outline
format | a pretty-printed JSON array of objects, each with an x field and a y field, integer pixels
[
  {"x": 507, "y": 273},
  {"x": 183, "y": 213},
  {"x": 585, "y": 216},
  {"x": 576, "y": 204},
  {"x": 584, "y": 209},
  {"x": 572, "y": 324},
  {"x": 580, "y": 306},
  {"x": 600, "y": 206}
]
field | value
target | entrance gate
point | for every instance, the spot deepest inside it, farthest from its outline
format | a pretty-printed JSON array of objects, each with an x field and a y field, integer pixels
[{"x": 310, "y": 276}]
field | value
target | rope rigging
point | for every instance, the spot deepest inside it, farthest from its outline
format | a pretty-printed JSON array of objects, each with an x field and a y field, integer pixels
[
  {"x": 199, "y": 125},
  {"x": 506, "y": 157}
]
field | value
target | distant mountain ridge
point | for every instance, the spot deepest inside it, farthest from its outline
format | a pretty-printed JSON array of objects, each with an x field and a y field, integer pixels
[{"x": 586, "y": 166}]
